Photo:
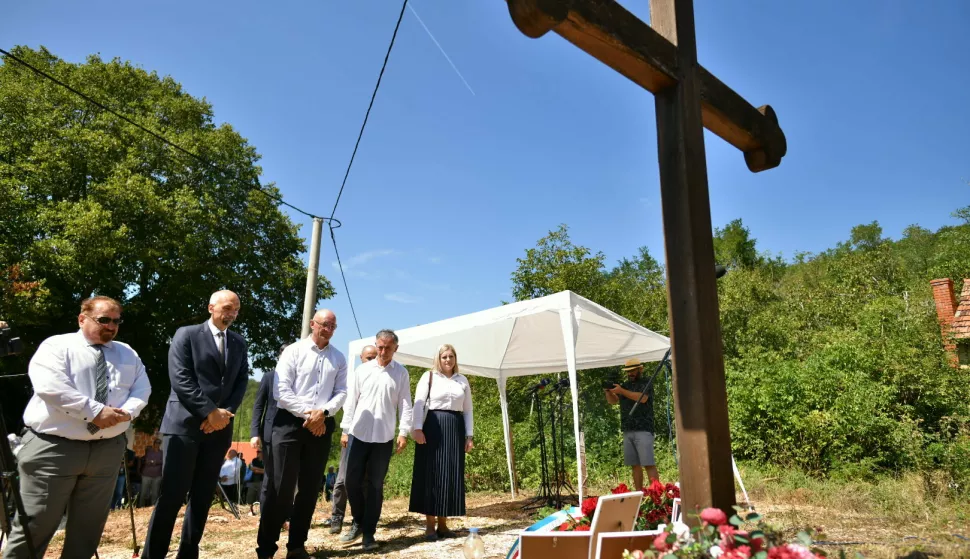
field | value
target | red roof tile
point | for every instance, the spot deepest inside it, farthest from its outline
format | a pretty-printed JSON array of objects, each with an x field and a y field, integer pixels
[{"x": 960, "y": 328}]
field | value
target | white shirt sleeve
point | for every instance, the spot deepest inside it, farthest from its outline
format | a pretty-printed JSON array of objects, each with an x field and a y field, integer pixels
[
  {"x": 139, "y": 392},
  {"x": 467, "y": 409},
  {"x": 420, "y": 401},
  {"x": 339, "y": 390},
  {"x": 286, "y": 370},
  {"x": 57, "y": 389},
  {"x": 350, "y": 405},
  {"x": 404, "y": 397}
]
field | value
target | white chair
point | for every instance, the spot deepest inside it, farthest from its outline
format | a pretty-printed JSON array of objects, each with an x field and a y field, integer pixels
[
  {"x": 612, "y": 545},
  {"x": 554, "y": 545},
  {"x": 614, "y": 513}
]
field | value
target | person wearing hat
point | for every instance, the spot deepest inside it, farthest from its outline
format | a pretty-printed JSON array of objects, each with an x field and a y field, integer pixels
[{"x": 638, "y": 428}]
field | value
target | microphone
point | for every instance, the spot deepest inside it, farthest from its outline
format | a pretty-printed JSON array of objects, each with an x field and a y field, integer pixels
[
  {"x": 563, "y": 383},
  {"x": 542, "y": 384},
  {"x": 719, "y": 271}
]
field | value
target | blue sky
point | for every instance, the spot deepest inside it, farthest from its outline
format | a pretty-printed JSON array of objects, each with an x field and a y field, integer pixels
[{"x": 450, "y": 187}]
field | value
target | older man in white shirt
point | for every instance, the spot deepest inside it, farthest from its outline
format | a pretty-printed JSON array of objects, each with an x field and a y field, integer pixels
[
  {"x": 311, "y": 386},
  {"x": 87, "y": 390},
  {"x": 379, "y": 392}
]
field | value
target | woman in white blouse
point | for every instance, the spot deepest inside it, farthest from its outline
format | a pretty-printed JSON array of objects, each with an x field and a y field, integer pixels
[{"x": 443, "y": 431}]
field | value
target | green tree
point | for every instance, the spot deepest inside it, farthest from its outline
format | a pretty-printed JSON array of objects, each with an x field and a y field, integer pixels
[
  {"x": 866, "y": 236},
  {"x": 734, "y": 246},
  {"x": 556, "y": 264},
  {"x": 91, "y": 205}
]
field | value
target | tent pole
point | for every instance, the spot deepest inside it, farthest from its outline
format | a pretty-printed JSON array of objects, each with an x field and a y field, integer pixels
[
  {"x": 507, "y": 428},
  {"x": 570, "y": 330}
]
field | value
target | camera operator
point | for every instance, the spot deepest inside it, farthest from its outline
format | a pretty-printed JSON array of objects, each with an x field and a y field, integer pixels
[
  {"x": 638, "y": 428},
  {"x": 87, "y": 389}
]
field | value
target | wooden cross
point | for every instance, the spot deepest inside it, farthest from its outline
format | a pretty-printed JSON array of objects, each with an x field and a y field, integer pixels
[{"x": 663, "y": 60}]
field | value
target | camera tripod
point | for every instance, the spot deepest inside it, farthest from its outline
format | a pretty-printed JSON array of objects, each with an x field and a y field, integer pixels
[{"x": 10, "y": 500}]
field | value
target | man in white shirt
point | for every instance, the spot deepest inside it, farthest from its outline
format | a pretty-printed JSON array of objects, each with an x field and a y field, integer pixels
[
  {"x": 336, "y": 520},
  {"x": 87, "y": 390},
  {"x": 311, "y": 386},
  {"x": 229, "y": 475},
  {"x": 379, "y": 391}
]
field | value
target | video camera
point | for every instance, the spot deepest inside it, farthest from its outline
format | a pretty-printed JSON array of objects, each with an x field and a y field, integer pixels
[
  {"x": 9, "y": 345},
  {"x": 610, "y": 382}
]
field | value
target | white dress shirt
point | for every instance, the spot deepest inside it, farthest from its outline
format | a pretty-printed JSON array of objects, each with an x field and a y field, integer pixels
[
  {"x": 310, "y": 378},
  {"x": 63, "y": 373},
  {"x": 230, "y": 471},
  {"x": 215, "y": 338},
  {"x": 452, "y": 394},
  {"x": 376, "y": 395}
]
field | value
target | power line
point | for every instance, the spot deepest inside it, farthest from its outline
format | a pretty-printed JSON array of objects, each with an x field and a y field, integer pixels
[
  {"x": 347, "y": 289},
  {"x": 350, "y": 164},
  {"x": 369, "y": 106},
  {"x": 275, "y": 197}
]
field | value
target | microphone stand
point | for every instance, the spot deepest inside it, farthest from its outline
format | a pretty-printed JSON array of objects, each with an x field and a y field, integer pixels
[
  {"x": 544, "y": 495},
  {"x": 562, "y": 480}
]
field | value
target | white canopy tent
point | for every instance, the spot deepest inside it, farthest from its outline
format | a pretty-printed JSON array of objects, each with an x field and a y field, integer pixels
[{"x": 559, "y": 332}]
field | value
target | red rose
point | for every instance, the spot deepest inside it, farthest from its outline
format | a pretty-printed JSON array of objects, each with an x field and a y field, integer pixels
[
  {"x": 660, "y": 543},
  {"x": 757, "y": 543},
  {"x": 727, "y": 535},
  {"x": 583, "y": 528},
  {"x": 589, "y": 506},
  {"x": 742, "y": 552},
  {"x": 564, "y": 527},
  {"x": 621, "y": 488},
  {"x": 712, "y": 516}
]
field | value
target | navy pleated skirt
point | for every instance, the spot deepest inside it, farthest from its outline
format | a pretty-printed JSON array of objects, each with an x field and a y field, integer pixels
[{"x": 438, "y": 480}]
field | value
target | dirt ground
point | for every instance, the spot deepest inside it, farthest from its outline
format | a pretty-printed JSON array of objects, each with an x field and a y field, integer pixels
[
  {"x": 400, "y": 533},
  {"x": 500, "y": 520}
]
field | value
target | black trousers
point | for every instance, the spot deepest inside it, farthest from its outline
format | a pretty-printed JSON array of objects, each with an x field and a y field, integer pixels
[
  {"x": 190, "y": 466},
  {"x": 370, "y": 460},
  {"x": 299, "y": 460}
]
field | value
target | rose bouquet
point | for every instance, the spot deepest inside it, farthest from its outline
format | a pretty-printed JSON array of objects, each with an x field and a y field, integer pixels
[
  {"x": 655, "y": 509},
  {"x": 743, "y": 536}
]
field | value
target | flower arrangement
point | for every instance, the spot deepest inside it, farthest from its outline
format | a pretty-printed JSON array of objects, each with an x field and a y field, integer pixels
[
  {"x": 655, "y": 509},
  {"x": 743, "y": 536}
]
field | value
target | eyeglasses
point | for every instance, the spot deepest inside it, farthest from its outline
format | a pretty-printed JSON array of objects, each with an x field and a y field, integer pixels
[
  {"x": 329, "y": 325},
  {"x": 104, "y": 320}
]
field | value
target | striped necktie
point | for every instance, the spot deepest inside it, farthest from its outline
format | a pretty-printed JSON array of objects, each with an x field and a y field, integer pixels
[{"x": 101, "y": 385}]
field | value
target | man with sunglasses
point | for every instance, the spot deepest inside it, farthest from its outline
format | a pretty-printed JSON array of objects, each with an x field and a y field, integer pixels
[
  {"x": 208, "y": 367},
  {"x": 87, "y": 389},
  {"x": 311, "y": 385}
]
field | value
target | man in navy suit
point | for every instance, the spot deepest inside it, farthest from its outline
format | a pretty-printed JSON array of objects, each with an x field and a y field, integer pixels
[
  {"x": 261, "y": 427},
  {"x": 208, "y": 367}
]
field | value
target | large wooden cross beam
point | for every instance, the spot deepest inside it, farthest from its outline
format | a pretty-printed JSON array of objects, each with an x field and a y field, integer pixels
[{"x": 663, "y": 60}]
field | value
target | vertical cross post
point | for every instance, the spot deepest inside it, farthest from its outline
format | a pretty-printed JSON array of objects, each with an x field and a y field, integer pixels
[
  {"x": 703, "y": 432},
  {"x": 663, "y": 60}
]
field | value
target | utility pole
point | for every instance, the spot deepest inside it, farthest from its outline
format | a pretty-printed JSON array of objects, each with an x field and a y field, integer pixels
[{"x": 310, "y": 299}]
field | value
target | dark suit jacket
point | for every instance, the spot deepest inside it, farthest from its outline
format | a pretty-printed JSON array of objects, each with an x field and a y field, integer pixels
[
  {"x": 264, "y": 409},
  {"x": 201, "y": 382}
]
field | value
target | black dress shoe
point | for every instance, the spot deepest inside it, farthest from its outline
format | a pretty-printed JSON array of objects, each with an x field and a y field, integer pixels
[{"x": 369, "y": 543}]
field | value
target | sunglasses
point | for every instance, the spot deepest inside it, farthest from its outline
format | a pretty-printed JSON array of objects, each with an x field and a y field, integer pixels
[{"x": 106, "y": 320}]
